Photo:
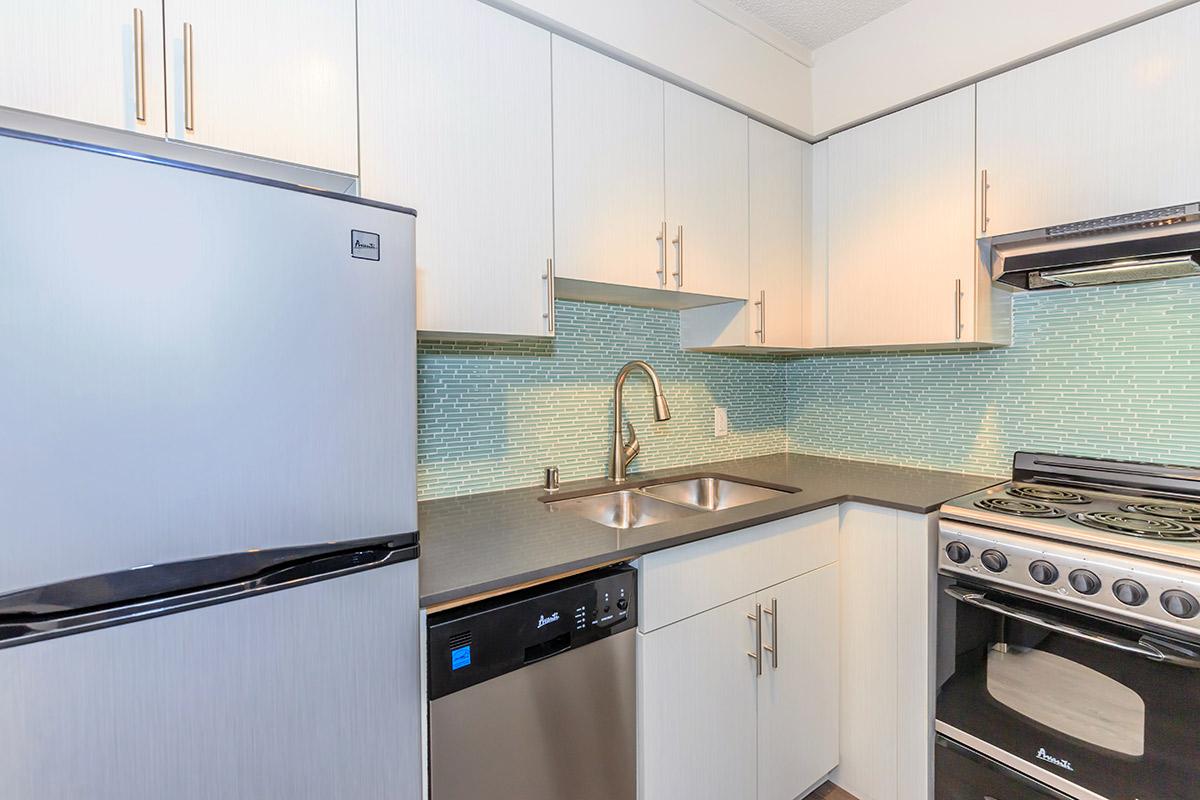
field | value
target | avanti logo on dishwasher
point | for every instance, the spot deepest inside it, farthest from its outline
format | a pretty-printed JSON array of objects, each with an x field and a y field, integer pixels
[{"x": 543, "y": 620}]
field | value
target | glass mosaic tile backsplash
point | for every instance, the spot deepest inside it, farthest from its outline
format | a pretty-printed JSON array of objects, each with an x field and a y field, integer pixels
[
  {"x": 1109, "y": 371},
  {"x": 491, "y": 416}
]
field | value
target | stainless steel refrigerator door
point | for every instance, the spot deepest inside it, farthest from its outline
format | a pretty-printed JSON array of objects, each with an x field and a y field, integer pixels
[
  {"x": 561, "y": 728},
  {"x": 193, "y": 365},
  {"x": 310, "y": 692}
]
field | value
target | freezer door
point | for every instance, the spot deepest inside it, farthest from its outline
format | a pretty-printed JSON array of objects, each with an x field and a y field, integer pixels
[
  {"x": 194, "y": 365},
  {"x": 309, "y": 692}
]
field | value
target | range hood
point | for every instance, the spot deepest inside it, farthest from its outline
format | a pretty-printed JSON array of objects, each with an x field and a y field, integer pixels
[{"x": 1150, "y": 245}]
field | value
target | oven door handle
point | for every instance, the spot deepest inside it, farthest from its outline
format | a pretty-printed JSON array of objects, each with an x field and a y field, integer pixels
[{"x": 1147, "y": 646}]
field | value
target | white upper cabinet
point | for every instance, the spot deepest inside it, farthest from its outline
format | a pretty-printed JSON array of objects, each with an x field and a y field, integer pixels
[
  {"x": 95, "y": 61},
  {"x": 707, "y": 199},
  {"x": 775, "y": 314},
  {"x": 608, "y": 170},
  {"x": 269, "y": 78},
  {"x": 776, "y": 238},
  {"x": 902, "y": 262},
  {"x": 455, "y": 100},
  {"x": 1102, "y": 129}
]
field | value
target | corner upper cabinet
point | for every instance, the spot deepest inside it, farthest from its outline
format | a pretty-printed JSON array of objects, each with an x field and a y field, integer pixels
[
  {"x": 456, "y": 102},
  {"x": 270, "y": 78},
  {"x": 608, "y": 172},
  {"x": 1103, "y": 129},
  {"x": 94, "y": 61},
  {"x": 774, "y": 316},
  {"x": 707, "y": 176},
  {"x": 903, "y": 269}
]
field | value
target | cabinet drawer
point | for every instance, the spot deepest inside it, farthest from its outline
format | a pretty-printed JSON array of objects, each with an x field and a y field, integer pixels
[{"x": 691, "y": 578}]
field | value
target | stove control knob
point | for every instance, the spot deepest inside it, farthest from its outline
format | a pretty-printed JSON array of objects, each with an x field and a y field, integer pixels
[
  {"x": 1085, "y": 581},
  {"x": 1043, "y": 572},
  {"x": 958, "y": 552},
  {"x": 1131, "y": 593},
  {"x": 994, "y": 560},
  {"x": 1180, "y": 604}
]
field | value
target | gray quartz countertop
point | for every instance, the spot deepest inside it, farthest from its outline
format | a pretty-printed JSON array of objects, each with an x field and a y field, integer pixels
[{"x": 483, "y": 542}]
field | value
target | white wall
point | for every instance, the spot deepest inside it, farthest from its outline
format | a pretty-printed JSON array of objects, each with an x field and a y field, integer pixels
[
  {"x": 927, "y": 46},
  {"x": 708, "y": 46}
]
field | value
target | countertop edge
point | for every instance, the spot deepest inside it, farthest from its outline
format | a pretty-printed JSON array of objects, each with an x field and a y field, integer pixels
[{"x": 451, "y": 595}]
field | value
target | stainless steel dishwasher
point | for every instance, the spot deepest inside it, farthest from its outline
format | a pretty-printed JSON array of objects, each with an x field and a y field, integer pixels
[{"x": 532, "y": 696}]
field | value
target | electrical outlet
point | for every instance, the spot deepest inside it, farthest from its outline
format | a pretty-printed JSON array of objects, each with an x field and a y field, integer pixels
[{"x": 720, "y": 421}]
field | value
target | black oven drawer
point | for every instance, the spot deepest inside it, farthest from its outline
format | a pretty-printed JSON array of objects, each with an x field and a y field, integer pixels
[{"x": 962, "y": 774}]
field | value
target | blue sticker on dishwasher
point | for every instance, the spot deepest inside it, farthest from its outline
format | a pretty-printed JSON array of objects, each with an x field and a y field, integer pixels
[{"x": 460, "y": 657}]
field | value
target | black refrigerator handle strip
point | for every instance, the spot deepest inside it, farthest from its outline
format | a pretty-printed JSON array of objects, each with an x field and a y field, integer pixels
[{"x": 20, "y": 628}]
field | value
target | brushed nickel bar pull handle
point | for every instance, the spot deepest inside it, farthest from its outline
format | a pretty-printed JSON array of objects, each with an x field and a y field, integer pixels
[
  {"x": 139, "y": 64},
  {"x": 761, "y": 302},
  {"x": 984, "y": 219},
  {"x": 661, "y": 238},
  {"x": 549, "y": 279},
  {"x": 1146, "y": 646},
  {"x": 189, "y": 90},
  {"x": 773, "y": 648},
  {"x": 678, "y": 242},
  {"x": 756, "y": 618},
  {"x": 958, "y": 323}
]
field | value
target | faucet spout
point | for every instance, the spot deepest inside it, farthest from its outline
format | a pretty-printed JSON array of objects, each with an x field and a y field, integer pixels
[{"x": 624, "y": 452}]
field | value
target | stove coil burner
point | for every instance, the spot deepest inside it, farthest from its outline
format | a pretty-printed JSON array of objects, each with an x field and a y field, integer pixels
[
  {"x": 1019, "y": 508},
  {"x": 1139, "y": 525},
  {"x": 1048, "y": 494},
  {"x": 1180, "y": 513}
]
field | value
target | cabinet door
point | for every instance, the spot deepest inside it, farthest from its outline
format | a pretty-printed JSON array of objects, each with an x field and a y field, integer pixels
[
  {"x": 608, "y": 170},
  {"x": 776, "y": 238},
  {"x": 456, "y": 124},
  {"x": 696, "y": 707},
  {"x": 271, "y": 78},
  {"x": 869, "y": 666},
  {"x": 901, "y": 250},
  {"x": 80, "y": 59},
  {"x": 798, "y": 691},
  {"x": 707, "y": 176},
  {"x": 1102, "y": 129}
]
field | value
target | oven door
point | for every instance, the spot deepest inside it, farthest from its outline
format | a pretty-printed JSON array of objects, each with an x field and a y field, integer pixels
[{"x": 1092, "y": 708}]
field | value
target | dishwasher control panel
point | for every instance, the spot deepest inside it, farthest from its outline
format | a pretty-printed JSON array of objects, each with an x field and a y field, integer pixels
[{"x": 484, "y": 640}]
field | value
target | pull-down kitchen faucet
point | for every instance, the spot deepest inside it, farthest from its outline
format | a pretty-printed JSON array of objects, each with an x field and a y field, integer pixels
[{"x": 622, "y": 452}]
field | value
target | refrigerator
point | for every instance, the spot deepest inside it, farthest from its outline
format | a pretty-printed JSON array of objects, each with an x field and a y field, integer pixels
[{"x": 208, "y": 526}]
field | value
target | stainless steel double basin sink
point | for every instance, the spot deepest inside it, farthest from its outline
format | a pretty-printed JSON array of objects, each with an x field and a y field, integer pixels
[{"x": 661, "y": 502}]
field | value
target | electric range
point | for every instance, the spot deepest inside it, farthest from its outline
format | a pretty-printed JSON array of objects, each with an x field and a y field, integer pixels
[{"x": 1069, "y": 633}]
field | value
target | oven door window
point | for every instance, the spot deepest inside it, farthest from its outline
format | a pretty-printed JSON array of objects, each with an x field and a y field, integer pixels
[
  {"x": 1068, "y": 698},
  {"x": 1080, "y": 698}
]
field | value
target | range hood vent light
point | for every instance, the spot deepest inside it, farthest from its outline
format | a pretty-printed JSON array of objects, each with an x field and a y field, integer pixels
[
  {"x": 1149, "y": 245},
  {"x": 1150, "y": 269}
]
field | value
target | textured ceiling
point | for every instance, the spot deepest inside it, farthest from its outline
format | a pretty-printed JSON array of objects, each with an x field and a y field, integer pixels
[{"x": 813, "y": 23}]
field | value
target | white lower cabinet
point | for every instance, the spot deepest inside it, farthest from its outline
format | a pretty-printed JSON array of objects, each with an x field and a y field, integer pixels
[
  {"x": 697, "y": 715},
  {"x": 797, "y": 693},
  {"x": 887, "y": 653},
  {"x": 737, "y": 696}
]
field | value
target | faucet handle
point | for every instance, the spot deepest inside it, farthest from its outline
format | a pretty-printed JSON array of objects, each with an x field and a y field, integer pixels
[{"x": 633, "y": 446}]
